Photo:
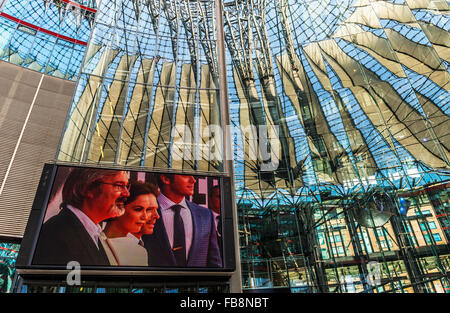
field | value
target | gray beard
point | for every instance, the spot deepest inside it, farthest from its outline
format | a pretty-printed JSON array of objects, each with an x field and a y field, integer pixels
[{"x": 117, "y": 210}]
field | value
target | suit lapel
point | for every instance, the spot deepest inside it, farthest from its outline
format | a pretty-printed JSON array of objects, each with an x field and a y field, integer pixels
[
  {"x": 84, "y": 241},
  {"x": 195, "y": 218},
  {"x": 102, "y": 252}
]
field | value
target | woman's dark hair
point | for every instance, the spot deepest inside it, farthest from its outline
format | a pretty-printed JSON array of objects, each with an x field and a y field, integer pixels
[{"x": 139, "y": 188}]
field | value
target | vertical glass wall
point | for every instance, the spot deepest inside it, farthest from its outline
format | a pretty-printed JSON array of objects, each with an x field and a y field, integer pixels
[
  {"x": 353, "y": 100},
  {"x": 48, "y": 36},
  {"x": 8, "y": 276},
  {"x": 359, "y": 91},
  {"x": 148, "y": 91}
]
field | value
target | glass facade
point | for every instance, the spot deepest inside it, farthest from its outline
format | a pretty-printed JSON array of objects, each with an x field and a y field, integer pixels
[
  {"x": 347, "y": 100},
  {"x": 148, "y": 91},
  {"x": 360, "y": 93},
  {"x": 8, "y": 276},
  {"x": 48, "y": 36}
]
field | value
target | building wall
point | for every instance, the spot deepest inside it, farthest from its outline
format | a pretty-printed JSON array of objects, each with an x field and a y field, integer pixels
[{"x": 33, "y": 108}]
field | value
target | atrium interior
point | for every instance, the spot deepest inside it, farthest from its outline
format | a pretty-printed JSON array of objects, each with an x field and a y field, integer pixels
[{"x": 340, "y": 112}]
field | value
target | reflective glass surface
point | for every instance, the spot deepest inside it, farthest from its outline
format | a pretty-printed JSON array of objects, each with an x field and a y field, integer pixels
[
  {"x": 148, "y": 90},
  {"x": 8, "y": 276},
  {"x": 341, "y": 154},
  {"x": 359, "y": 91},
  {"x": 45, "y": 35}
]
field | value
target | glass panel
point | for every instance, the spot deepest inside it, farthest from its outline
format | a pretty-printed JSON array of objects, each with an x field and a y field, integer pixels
[{"x": 361, "y": 95}]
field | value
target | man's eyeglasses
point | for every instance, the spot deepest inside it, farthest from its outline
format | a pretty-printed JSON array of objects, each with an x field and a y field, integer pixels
[{"x": 118, "y": 186}]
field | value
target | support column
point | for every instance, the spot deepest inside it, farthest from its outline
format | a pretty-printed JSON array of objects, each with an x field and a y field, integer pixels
[{"x": 236, "y": 280}]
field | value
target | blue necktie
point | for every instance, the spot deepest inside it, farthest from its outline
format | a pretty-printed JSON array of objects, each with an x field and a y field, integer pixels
[{"x": 179, "y": 242}]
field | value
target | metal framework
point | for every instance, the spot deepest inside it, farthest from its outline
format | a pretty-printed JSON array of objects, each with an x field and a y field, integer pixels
[
  {"x": 359, "y": 93},
  {"x": 356, "y": 128}
]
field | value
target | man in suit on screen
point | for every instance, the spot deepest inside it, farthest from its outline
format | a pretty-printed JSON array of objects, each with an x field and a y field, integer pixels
[
  {"x": 90, "y": 196},
  {"x": 214, "y": 204},
  {"x": 185, "y": 235}
]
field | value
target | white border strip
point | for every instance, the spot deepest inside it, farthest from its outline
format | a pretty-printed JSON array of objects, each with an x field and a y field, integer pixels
[{"x": 21, "y": 135}]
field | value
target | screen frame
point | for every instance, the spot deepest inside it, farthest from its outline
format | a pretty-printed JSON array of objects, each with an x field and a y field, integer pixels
[{"x": 30, "y": 239}]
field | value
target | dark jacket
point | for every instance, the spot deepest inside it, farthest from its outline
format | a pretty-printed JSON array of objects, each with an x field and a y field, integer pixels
[{"x": 63, "y": 238}]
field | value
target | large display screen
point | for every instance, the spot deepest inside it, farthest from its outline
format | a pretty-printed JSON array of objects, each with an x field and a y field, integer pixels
[{"x": 114, "y": 218}]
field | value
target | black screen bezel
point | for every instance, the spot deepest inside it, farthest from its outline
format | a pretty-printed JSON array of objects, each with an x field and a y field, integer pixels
[{"x": 39, "y": 208}]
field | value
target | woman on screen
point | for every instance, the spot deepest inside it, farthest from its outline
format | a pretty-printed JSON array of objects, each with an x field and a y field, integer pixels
[{"x": 122, "y": 243}]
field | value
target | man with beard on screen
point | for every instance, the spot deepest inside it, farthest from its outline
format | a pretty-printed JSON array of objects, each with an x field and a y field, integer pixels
[
  {"x": 90, "y": 196},
  {"x": 185, "y": 235}
]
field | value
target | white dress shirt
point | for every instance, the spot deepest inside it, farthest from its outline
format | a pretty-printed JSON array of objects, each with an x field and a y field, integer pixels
[
  {"x": 135, "y": 239},
  {"x": 93, "y": 229},
  {"x": 168, "y": 214}
]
